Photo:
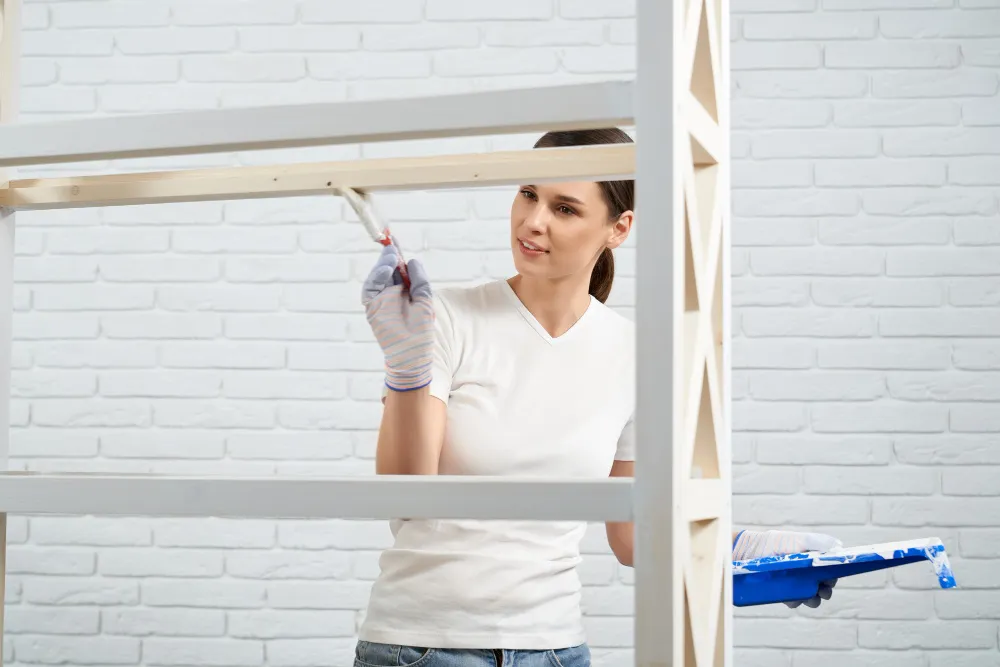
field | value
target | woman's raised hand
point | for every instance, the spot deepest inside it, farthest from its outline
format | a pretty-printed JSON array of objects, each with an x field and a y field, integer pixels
[{"x": 402, "y": 320}]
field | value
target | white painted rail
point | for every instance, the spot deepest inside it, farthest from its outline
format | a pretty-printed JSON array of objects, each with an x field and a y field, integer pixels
[
  {"x": 285, "y": 126},
  {"x": 280, "y": 497}
]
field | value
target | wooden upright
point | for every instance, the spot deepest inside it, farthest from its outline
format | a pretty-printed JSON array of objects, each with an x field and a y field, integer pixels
[
  {"x": 683, "y": 481},
  {"x": 702, "y": 457},
  {"x": 708, "y": 578},
  {"x": 10, "y": 33}
]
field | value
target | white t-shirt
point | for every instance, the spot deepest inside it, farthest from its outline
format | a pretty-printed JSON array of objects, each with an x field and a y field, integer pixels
[{"x": 519, "y": 403}]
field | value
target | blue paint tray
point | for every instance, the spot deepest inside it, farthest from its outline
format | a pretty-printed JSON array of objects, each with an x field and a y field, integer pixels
[{"x": 793, "y": 577}]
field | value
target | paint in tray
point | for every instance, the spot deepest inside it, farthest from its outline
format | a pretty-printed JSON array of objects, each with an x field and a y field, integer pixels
[{"x": 792, "y": 577}]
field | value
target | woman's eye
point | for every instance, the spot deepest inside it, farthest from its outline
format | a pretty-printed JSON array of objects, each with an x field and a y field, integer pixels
[
  {"x": 528, "y": 193},
  {"x": 566, "y": 210}
]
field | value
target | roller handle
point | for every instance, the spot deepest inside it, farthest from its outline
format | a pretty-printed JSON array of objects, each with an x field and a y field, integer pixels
[{"x": 401, "y": 266}]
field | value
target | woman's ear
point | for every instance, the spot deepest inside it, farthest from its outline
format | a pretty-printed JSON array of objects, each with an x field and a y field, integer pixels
[{"x": 620, "y": 229}]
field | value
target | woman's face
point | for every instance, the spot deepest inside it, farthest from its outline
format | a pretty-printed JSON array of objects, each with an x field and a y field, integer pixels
[{"x": 558, "y": 230}]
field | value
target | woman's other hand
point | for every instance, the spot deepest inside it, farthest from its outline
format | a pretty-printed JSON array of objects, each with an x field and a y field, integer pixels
[
  {"x": 402, "y": 320},
  {"x": 757, "y": 544},
  {"x": 752, "y": 544}
]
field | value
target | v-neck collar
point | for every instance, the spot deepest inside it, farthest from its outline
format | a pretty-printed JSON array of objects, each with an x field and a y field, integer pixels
[{"x": 535, "y": 324}]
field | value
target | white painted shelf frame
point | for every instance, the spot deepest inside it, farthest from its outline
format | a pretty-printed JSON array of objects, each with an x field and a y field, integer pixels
[{"x": 680, "y": 499}]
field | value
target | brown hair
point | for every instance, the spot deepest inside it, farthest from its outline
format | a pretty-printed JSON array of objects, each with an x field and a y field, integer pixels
[{"x": 618, "y": 195}]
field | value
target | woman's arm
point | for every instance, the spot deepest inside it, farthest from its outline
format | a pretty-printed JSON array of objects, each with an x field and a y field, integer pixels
[
  {"x": 411, "y": 434},
  {"x": 620, "y": 534}
]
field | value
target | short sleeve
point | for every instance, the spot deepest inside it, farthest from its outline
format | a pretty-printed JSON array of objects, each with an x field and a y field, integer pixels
[
  {"x": 444, "y": 351},
  {"x": 626, "y": 442}
]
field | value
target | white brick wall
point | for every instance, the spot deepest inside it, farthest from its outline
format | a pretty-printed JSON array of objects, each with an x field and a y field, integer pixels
[{"x": 227, "y": 337}]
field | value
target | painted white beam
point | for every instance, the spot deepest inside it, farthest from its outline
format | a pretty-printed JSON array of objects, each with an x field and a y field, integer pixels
[
  {"x": 374, "y": 497},
  {"x": 572, "y": 106}
]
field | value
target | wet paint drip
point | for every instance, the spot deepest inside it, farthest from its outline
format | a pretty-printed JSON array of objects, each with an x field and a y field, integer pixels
[
  {"x": 930, "y": 549},
  {"x": 790, "y": 577}
]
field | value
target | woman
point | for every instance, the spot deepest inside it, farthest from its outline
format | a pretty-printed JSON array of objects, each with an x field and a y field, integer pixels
[{"x": 530, "y": 376}]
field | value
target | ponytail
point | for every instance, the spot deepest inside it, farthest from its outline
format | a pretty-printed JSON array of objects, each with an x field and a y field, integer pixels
[{"x": 603, "y": 276}]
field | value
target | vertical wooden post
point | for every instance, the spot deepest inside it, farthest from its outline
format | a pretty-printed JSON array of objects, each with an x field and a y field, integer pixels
[
  {"x": 10, "y": 34},
  {"x": 658, "y": 288},
  {"x": 683, "y": 476},
  {"x": 722, "y": 326}
]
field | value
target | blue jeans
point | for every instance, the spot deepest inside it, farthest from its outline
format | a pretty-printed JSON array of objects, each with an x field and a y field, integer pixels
[{"x": 373, "y": 654}]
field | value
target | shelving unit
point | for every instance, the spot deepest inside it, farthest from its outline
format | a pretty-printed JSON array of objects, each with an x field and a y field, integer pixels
[{"x": 680, "y": 497}]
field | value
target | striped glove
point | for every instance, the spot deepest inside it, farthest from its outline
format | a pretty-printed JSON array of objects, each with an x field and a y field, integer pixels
[
  {"x": 402, "y": 321},
  {"x": 756, "y": 544},
  {"x": 750, "y": 544}
]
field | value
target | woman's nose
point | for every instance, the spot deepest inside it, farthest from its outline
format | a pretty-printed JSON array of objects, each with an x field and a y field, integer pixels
[{"x": 536, "y": 219}]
